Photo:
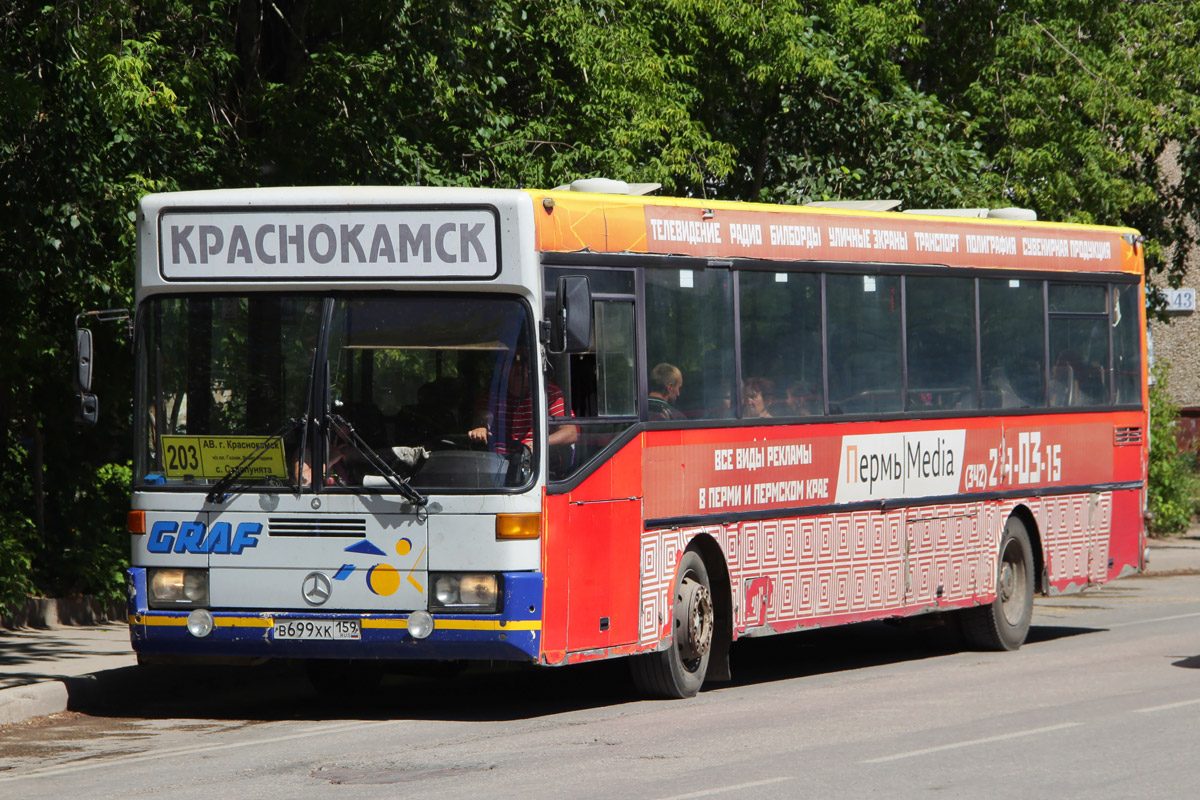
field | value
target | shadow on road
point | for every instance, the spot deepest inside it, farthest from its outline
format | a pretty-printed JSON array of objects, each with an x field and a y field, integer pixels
[
  {"x": 867, "y": 644},
  {"x": 281, "y": 691}
]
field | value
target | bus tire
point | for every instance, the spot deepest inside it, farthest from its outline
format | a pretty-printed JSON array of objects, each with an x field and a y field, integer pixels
[
  {"x": 678, "y": 671},
  {"x": 1003, "y": 624}
]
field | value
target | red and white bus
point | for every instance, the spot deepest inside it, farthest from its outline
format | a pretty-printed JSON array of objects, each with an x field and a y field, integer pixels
[{"x": 385, "y": 424}]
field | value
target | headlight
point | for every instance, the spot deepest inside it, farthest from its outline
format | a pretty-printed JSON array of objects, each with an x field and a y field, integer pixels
[
  {"x": 445, "y": 590},
  {"x": 177, "y": 588},
  {"x": 470, "y": 592}
]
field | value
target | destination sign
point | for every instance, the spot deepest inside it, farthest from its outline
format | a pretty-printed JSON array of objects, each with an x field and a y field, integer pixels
[
  {"x": 342, "y": 244},
  {"x": 215, "y": 456}
]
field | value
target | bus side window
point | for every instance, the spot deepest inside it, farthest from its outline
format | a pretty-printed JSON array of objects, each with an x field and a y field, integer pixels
[
  {"x": 600, "y": 387},
  {"x": 1012, "y": 342},
  {"x": 1078, "y": 335},
  {"x": 1127, "y": 352},
  {"x": 940, "y": 315},
  {"x": 781, "y": 338},
  {"x": 689, "y": 324},
  {"x": 864, "y": 343}
]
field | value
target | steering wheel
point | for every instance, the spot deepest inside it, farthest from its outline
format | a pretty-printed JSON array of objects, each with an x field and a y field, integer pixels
[{"x": 458, "y": 441}]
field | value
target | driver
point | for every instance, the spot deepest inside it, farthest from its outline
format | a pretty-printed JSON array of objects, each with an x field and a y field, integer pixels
[{"x": 510, "y": 427}]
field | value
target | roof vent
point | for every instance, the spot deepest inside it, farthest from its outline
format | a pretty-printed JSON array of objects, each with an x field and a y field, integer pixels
[
  {"x": 1019, "y": 214},
  {"x": 608, "y": 186},
  {"x": 856, "y": 205}
]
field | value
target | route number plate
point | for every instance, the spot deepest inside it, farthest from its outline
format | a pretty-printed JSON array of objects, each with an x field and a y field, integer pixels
[{"x": 325, "y": 630}]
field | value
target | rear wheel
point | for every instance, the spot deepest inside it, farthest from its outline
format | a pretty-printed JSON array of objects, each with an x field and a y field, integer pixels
[
  {"x": 1004, "y": 623},
  {"x": 678, "y": 671}
]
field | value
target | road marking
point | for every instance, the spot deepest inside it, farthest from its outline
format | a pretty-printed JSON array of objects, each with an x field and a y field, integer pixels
[
  {"x": 1167, "y": 707},
  {"x": 972, "y": 742},
  {"x": 1157, "y": 619},
  {"x": 726, "y": 789},
  {"x": 119, "y": 760}
]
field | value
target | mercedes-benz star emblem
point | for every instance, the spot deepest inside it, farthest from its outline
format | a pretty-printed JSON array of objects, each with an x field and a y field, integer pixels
[{"x": 316, "y": 588}]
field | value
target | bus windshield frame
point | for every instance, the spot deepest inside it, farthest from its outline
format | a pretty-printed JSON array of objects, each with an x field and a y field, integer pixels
[{"x": 363, "y": 384}]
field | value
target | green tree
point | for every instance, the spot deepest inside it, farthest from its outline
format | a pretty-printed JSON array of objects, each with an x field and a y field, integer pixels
[
  {"x": 93, "y": 119},
  {"x": 1173, "y": 493},
  {"x": 1075, "y": 104},
  {"x": 1062, "y": 105}
]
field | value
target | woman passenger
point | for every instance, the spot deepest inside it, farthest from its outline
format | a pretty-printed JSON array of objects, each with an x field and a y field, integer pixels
[{"x": 756, "y": 397}]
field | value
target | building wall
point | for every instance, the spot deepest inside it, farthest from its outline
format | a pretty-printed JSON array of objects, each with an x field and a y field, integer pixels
[{"x": 1178, "y": 340}]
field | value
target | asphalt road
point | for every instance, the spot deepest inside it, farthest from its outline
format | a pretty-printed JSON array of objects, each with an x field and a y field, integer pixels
[{"x": 1102, "y": 702}]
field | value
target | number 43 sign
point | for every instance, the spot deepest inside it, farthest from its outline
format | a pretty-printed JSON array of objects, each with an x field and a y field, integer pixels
[{"x": 214, "y": 456}]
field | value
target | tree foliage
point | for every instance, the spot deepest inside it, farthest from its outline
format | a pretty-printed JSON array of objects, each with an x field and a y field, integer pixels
[
  {"x": 1072, "y": 108},
  {"x": 1173, "y": 496},
  {"x": 1080, "y": 105}
]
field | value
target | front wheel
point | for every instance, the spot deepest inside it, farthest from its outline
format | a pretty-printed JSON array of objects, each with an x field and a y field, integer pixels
[
  {"x": 1004, "y": 623},
  {"x": 678, "y": 671}
]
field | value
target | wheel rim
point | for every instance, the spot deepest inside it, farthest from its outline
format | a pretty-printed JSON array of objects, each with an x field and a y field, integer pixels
[
  {"x": 1013, "y": 583},
  {"x": 693, "y": 622}
]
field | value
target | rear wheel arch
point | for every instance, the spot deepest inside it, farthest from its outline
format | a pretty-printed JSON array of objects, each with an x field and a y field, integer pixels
[
  {"x": 1004, "y": 623},
  {"x": 1041, "y": 575},
  {"x": 701, "y": 623}
]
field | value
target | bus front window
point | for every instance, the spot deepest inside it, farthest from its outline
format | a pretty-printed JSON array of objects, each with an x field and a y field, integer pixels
[
  {"x": 414, "y": 376},
  {"x": 220, "y": 377},
  {"x": 230, "y": 379}
]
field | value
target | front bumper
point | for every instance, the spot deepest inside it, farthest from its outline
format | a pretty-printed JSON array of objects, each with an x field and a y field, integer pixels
[{"x": 512, "y": 635}]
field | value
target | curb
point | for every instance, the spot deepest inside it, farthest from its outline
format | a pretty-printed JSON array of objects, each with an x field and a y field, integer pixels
[
  {"x": 21, "y": 703},
  {"x": 52, "y": 612}
]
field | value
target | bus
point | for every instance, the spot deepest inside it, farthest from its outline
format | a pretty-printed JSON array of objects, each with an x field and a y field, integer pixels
[{"x": 385, "y": 425}]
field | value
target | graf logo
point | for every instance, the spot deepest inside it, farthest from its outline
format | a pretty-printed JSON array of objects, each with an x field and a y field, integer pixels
[{"x": 192, "y": 537}]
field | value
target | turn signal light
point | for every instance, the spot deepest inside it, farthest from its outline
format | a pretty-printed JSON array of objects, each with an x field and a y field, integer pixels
[
  {"x": 518, "y": 526},
  {"x": 135, "y": 521}
]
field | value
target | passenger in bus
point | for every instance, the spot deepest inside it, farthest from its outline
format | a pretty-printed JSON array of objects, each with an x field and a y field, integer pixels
[
  {"x": 756, "y": 397},
  {"x": 799, "y": 402},
  {"x": 508, "y": 428},
  {"x": 1064, "y": 379},
  {"x": 666, "y": 381},
  {"x": 998, "y": 391}
]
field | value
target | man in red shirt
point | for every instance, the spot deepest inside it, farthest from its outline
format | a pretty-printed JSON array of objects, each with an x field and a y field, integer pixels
[{"x": 510, "y": 427}]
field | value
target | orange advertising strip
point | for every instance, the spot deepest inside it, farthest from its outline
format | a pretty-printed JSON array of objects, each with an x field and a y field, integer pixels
[
  {"x": 620, "y": 224},
  {"x": 892, "y": 239}
]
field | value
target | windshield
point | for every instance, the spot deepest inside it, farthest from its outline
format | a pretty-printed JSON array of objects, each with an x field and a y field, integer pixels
[{"x": 432, "y": 390}]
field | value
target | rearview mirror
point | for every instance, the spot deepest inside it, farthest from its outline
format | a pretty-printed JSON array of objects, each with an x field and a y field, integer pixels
[
  {"x": 571, "y": 326},
  {"x": 89, "y": 408},
  {"x": 83, "y": 359},
  {"x": 86, "y": 411}
]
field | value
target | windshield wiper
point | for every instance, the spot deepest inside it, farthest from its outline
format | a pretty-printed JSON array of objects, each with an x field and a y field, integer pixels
[
  {"x": 220, "y": 490},
  {"x": 340, "y": 426}
]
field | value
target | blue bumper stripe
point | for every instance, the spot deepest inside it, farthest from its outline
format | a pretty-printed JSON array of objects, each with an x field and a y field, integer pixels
[{"x": 513, "y": 635}]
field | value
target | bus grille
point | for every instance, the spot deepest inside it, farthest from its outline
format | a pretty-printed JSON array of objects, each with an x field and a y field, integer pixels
[
  {"x": 308, "y": 526},
  {"x": 1128, "y": 436}
]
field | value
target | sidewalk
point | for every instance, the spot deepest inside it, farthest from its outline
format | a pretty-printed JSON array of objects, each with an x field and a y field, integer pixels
[
  {"x": 36, "y": 663},
  {"x": 40, "y": 669}
]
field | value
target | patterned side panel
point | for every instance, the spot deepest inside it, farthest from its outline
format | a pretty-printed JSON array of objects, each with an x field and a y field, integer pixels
[
  {"x": 1076, "y": 531},
  {"x": 809, "y": 570},
  {"x": 661, "y": 552}
]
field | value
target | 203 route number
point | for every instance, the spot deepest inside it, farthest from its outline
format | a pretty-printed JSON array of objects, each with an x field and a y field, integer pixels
[{"x": 318, "y": 630}]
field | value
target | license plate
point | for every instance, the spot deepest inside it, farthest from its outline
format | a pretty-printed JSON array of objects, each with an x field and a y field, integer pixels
[{"x": 318, "y": 630}]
